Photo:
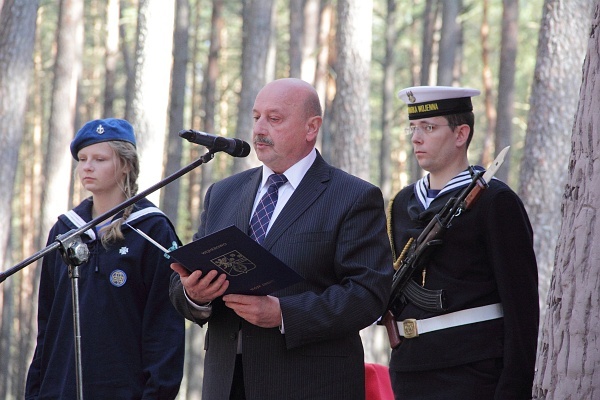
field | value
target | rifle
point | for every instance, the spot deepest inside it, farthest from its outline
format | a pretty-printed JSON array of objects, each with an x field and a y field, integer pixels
[{"x": 404, "y": 288}]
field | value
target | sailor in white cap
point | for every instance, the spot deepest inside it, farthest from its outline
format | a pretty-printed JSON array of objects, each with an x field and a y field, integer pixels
[{"x": 482, "y": 344}]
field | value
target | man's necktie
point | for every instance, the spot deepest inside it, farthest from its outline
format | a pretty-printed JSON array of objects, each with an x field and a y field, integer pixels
[{"x": 262, "y": 215}]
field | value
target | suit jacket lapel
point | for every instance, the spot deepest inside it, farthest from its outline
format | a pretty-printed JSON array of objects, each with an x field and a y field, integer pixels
[
  {"x": 247, "y": 192},
  {"x": 311, "y": 187}
]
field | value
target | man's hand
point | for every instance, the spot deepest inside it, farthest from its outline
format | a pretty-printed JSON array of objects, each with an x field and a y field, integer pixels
[
  {"x": 201, "y": 289},
  {"x": 263, "y": 311}
]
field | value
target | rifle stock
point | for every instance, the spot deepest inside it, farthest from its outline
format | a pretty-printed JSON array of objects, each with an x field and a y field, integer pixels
[
  {"x": 389, "y": 321},
  {"x": 474, "y": 194}
]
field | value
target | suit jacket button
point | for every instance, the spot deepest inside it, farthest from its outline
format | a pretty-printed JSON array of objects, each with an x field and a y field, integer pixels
[{"x": 233, "y": 336}]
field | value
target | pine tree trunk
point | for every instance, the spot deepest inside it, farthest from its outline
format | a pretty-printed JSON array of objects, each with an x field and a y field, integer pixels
[
  {"x": 350, "y": 109},
  {"x": 67, "y": 70},
  {"x": 449, "y": 42},
  {"x": 554, "y": 96},
  {"x": 568, "y": 365},
  {"x": 17, "y": 34},
  {"x": 506, "y": 83},
  {"x": 170, "y": 193},
  {"x": 388, "y": 103},
  {"x": 151, "y": 95},
  {"x": 255, "y": 50}
]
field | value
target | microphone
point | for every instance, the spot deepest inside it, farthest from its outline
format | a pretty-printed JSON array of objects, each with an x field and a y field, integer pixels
[{"x": 233, "y": 147}]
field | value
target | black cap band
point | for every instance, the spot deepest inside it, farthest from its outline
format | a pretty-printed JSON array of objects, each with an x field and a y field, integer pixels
[{"x": 439, "y": 108}]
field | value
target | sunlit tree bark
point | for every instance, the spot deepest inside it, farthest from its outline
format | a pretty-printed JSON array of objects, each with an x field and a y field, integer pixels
[
  {"x": 255, "y": 50},
  {"x": 206, "y": 109},
  {"x": 554, "y": 96},
  {"x": 449, "y": 42},
  {"x": 112, "y": 52},
  {"x": 194, "y": 197},
  {"x": 296, "y": 37},
  {"x": 322, "y": 72},
  {"x": 487, "y": 87},
  {"x": 210, "y": 89},
  {"x": 67, "y": 70},
  {"x": 506, "y": 82},
  {"x": 427, "y": 48},
  {"x": 151, "y": 96},
  {"x": 568, "y": 364},
  {"x": 170, "y": 193},
  {"x": 17, "y": 33},
  {"x": 350, "y": 114},
  {"x": 304, "y": 30},
  {"x": 389, "y": 95}
]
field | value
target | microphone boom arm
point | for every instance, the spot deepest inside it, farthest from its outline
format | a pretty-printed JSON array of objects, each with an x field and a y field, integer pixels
[{"x": 67, "y": 237}]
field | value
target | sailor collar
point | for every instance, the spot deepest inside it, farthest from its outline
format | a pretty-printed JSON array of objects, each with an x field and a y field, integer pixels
[
  {"x": 78, "y": 221},
  {"x": 459, "y": 181}
]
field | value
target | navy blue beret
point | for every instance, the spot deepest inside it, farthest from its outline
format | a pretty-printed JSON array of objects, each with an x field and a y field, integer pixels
[{"x": 102, "y": 130}]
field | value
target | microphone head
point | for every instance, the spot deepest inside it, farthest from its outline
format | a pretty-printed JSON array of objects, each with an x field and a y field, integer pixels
[
  {"x": 242, "y": 149},
  {"x": 186, "y": 134},
  {"x": 232, "y": 146}
]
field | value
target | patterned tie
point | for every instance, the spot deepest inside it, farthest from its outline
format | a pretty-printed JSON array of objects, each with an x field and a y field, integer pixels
[{"x": 264, "y": 209}]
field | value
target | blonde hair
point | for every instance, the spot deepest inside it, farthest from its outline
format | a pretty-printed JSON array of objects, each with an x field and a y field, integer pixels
[{"x": 128, "y": 158}]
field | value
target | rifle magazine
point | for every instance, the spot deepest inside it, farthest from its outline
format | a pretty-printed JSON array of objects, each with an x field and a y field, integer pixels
[{"x": 425, "y": 299}]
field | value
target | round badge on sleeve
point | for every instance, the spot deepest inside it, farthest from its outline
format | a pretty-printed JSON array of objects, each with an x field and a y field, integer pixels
[{"x": 118, "y": 278}]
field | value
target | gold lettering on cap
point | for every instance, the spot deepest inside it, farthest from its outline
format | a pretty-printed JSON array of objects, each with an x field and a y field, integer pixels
[
  {"x": 421, "y": 108},
  {"x": 428, "y": 107}
]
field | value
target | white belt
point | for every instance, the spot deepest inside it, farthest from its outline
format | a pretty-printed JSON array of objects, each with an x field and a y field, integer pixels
[{"x": 411, "y": 328}]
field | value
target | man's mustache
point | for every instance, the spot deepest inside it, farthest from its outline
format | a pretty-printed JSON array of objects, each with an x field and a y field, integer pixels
[{"x": 263, "y": 140}]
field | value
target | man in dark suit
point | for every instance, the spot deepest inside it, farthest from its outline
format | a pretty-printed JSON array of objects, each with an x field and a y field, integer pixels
[
  {"x": 483, "y": 345},
  {"x": 302, "y": 342}
]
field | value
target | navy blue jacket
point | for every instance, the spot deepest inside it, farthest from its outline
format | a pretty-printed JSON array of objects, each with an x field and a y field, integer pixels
[
  {"x": 486, "y": 257},
  {"x": 132, "y": 339}
]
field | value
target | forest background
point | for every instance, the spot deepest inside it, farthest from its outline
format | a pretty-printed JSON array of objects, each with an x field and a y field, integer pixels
[{"x": 169, "y": 65}]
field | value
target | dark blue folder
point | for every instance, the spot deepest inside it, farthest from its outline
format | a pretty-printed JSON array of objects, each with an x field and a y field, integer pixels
[{"x": 250, "y": 268}]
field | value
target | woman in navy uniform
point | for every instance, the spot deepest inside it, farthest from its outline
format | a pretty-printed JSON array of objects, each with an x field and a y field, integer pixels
[
  {"x": 483, "y": 345},
  {"x": 132, "y": 339}
]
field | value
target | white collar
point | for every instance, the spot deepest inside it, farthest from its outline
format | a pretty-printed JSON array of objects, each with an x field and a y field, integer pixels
[
  {"x": 295, "y": 173},
  {"x": 421, "y": 186}
]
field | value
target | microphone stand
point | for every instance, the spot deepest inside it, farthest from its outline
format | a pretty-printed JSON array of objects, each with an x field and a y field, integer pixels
[{"x": 74, "y": 253}]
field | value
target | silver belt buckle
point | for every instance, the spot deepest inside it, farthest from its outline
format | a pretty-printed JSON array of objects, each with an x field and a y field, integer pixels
[{"x": 410, "y": 328}]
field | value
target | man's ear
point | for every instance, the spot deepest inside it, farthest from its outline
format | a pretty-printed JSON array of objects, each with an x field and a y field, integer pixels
[
  {"x": 313, "y": 125},
  {"x": 462, "y": 134}
]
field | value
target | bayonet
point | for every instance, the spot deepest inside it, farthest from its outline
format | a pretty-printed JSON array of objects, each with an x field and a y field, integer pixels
[{"x": 496, "y": 164}]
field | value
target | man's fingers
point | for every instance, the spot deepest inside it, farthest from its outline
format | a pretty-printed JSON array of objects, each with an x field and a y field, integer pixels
[
  {"x": 205, "y": 288},
  {"x": 180, "y": 270}
]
